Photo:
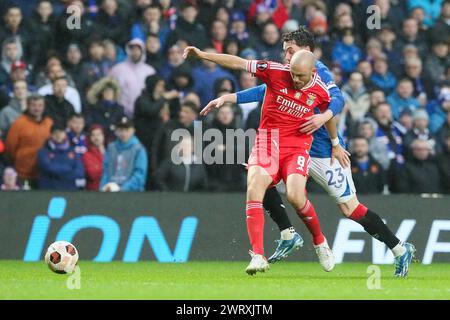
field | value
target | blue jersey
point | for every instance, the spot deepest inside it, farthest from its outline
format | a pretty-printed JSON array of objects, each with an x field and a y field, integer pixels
[{"x": 321, "y": 147}]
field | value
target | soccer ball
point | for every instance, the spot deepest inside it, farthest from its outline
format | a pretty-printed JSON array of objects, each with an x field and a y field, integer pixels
[{"x": 61, "y": 257}]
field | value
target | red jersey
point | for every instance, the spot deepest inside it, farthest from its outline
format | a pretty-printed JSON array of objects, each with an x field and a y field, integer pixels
[{"x": 286, "y": 108}]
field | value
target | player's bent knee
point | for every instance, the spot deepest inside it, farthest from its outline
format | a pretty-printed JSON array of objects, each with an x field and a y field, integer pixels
[
  {"x": 296, "y": 198},
  {"x": 348, "y": 207}
]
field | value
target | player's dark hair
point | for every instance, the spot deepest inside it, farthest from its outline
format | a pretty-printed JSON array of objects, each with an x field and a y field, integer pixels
[{"x": 301, "y": 37}]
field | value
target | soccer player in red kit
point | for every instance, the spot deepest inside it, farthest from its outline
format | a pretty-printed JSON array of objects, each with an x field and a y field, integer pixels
[{"x": 281, "y": 151}]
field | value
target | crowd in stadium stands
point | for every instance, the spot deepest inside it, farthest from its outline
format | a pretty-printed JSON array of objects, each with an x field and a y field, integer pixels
[{"x": 93, "y": 106}]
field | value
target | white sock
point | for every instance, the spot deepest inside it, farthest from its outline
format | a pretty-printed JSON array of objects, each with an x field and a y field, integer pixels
[
  {"x": 287, "y": 234},
  {"x": 398, "y": 250}
]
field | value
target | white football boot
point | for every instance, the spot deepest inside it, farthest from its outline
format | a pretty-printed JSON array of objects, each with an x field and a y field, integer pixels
[
  {"x": 257, "y": 264},
  {"x": 326, "y": 256}
]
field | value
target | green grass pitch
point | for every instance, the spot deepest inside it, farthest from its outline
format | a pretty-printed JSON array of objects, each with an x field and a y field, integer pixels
[{"x": 220, "y": 280}]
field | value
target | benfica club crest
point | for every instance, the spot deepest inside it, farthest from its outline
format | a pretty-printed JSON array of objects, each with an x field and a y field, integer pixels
[{"x": 311, "y": 98}]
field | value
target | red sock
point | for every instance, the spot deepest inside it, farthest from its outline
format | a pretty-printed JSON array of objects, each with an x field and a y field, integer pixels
[
  {"x": 255, "y": 225},
  {"x": 311, "y": 221},
  {"x": 359, "y": 213}
]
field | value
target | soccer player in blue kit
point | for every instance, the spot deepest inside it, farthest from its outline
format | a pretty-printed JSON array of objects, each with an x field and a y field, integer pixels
[{"x": 331, "y": 175}]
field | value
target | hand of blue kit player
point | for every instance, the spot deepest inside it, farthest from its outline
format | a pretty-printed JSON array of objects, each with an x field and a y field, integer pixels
[
  {"x": 342, "y": 155},
  {"x": 313, "y": 123},
  {"x": 213, "y": 104}
]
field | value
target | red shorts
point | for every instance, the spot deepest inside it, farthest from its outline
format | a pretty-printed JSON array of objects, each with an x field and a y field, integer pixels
[{"x": 280, "y": 162}]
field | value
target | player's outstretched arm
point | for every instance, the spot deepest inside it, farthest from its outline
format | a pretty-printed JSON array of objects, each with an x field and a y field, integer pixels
[
  {"x": 224, "y": 60},
  {"x": 337, "y": 151},
  {"x": 217, "y": 103},
  {"x": 255, "y": 94}
]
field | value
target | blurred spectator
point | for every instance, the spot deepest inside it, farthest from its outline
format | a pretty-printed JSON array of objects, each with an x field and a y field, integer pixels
[
  {"x": 377, "y": 148},
  {"x": 390, "y": 133},
  {"x": 431, "y": 8},
  {"x": 410, "y": 35},
  {"x": 374, "y": 50},
  {"x": 65, "y": 35},
  {"x": 418, "y": 14},
  {"x": 93, "y": 158},
  {"x": 356, "y": 96},
  {"x": 17, "y": 105},
  {"x": 225, "y": 176},
  {"x": 57, "y": 107},
  {"x": 287, "y": 9},
  {"x": 444, "y": 163},
  {"x": 15, "y": 27},
  {"x": 138, "y": 6},
  {"x": 104, "y": 108},
  {"x": 163, "y": 145},
  {"x": 74, "y": 65},
  {"x": 114, "y": 53},
  {"x": 262, "y": 17},
  {"x": 174, "y": 60},
  {"x": 223, "y": 14},
  {"x": 318, "y": 25},
  {"x": 96, "y": 66},
  {"x": 153, "y": 109},
  {"x": 18, "y": 72},
  {"x": 382, "y": 77},
  {"x": 390, "y": 12},
  {"x": 232, "y": 46},
  {"x": 185, "y": 175},
  {"x": 421, "y": 174},
  {"x": 366, "y": 171},
  {"x": 441, "y": 29},
  {"x": 423, "y": 85},
  {"x": 269, "y": 48},
  {"x": 403, "y": 98},
  {"x": 11, "y": 52},
  {"x": 125, "y": 161},
  {"x": 187, "y": 27},
  {"x": 365, "y": 68},
  {"x": 391, "y": 49},
  {"x": 436, "y": 63},
  {"x": 131, "y": 74},
  {"x": 151, "y": 23},
  {"x": 9, "y": 180},
  {"x": 111, "y": 22},
  {"x": 420, "y": 131},
  {"x": 75, "y": 133},
  {"x": 205, "y": 75},
  {"x": 70, "y": 93},
  {"x": 42, "y": 25},
  {"x": 346, "y": 53},
  {"x": 154, "y": 56},
  {"x": 182, "y": 81},
  {"x": 443, "y": 132},
  {"x": 219, "y": 33},
  {"x": 194, "y": 99},
  {"x": 58, "y": 163},
  {"x": 406, "y": 119},
  {"x": 238, "y": 28},
  {"x": 26, "y": 136},
  {"x": 376, "y": 97}
]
